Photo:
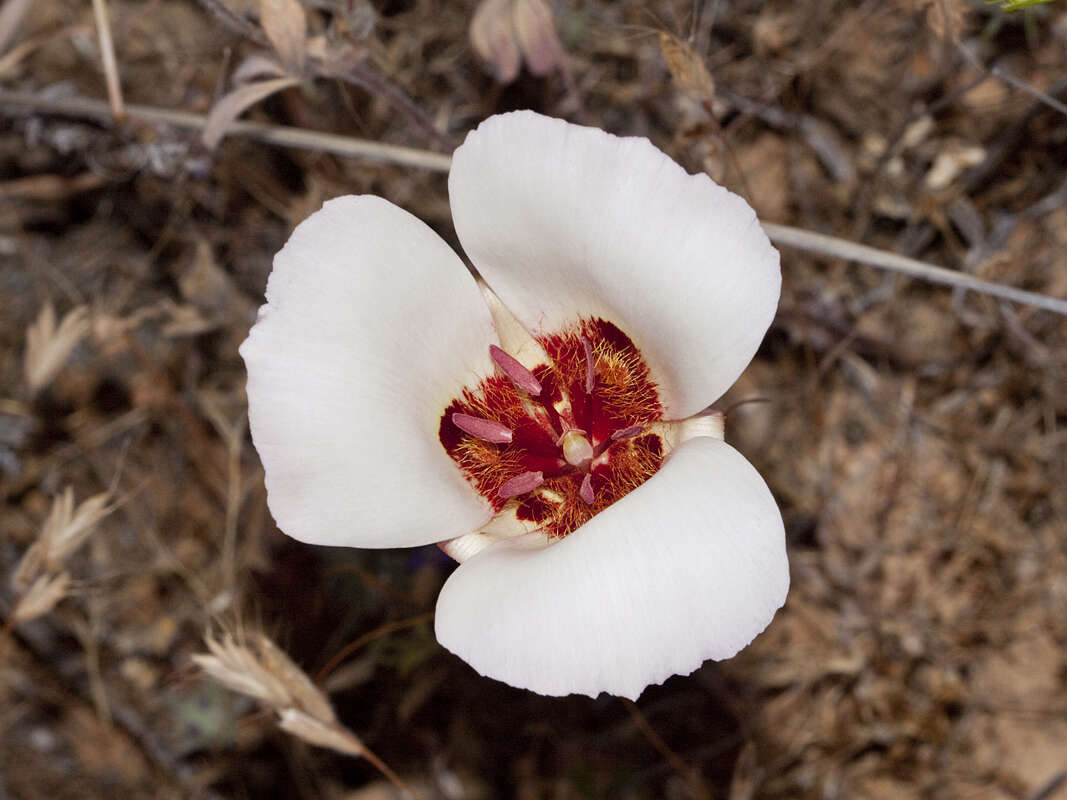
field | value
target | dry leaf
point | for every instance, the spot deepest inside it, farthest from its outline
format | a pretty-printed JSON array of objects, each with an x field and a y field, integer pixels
[
  {"x": 48, "y": 346},
  {"x": 535, "y": 27},
  {"x": 232, "y": 105},
  {"x": 285, "y": 23},
  {"x": 951, "y": 162},
  {"x": 492, "y": 35},
  {"x": 256, "y": 66}
]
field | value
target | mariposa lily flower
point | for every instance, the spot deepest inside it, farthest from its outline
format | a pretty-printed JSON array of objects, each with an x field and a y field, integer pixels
[{"x": 548, "y": 427}]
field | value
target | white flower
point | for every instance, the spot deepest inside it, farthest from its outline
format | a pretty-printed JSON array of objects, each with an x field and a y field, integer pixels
[{"x": 394, "y": 404}]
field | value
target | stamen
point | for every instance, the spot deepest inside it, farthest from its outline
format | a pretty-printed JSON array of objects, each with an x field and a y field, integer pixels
[
  {"x": 511, "y": 367},
  {"x": 628, "y": 433},
  {"x": 484, "y": 429},
  {"x": 586, "y": 491},
  {"x": 588, "y": 347},
  {"x": 520, "y": 484}
]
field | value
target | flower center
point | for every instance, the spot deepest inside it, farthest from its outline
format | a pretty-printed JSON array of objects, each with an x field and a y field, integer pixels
[{"x": 558, "y": 443}]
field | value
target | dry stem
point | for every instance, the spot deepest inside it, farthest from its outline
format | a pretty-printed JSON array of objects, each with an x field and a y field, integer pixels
[{"x": 107, "y": 54}]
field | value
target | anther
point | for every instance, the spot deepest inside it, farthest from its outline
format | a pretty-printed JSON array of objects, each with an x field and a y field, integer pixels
[
  {"x": 588, "y": 347},
  {"x": 586, "y": 491},
  {"x": 518, "y": 374},
  {"x": 628, "y": 433},
  {"x": 484, "y": 429},
  {"x": 520, "y": 484}
]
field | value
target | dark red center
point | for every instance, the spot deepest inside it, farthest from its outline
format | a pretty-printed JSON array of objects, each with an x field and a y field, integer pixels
[{"x": 564, "y": 440}]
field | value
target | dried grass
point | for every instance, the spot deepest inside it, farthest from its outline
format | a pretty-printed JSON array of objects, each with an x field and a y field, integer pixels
[{"x": 48, "y": 345}]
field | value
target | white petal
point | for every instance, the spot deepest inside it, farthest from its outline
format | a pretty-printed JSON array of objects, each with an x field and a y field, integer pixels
[
  {"x": 689, "y": 566},
  {"x": 563, "y": 220},
  {"x": 372, "y": 325}
]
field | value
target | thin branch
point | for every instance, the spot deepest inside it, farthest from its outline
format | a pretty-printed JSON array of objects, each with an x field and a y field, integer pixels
[
  {"x": 382, "y": 630},
  {"x": 1002, "y": 74},
  {"x": 678, "y": 764},
  {"x": 301, "y": 138},
  {"x": 107, "y": 54},
  {"x": 840, "y": 248},
  {"x": 281, "y": 135},
  {"x": 367, "y": 79}
]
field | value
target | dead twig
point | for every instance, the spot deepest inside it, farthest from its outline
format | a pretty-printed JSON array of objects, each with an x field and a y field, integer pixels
[
  {"x": 678, "y": 764},
  {"x": 361, "y": 641},
  {"x": 281, "y": 135},
  {"x": 840, "y": 248},
  {"x": 107, "y": 55}
]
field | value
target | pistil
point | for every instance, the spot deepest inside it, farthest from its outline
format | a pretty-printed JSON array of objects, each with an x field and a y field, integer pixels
[{"x": 576, "y": 448}]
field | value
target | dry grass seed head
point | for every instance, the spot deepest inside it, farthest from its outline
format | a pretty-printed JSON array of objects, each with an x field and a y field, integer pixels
[
  {"x": 256, "y": 667},
  {"x": 238, "y": 668},
  {"x": 48, "y": 346},
  {"x": 64, "y": 530},
  {"x": 687, "y": 68},
  {"x": 41, "y": 597},
  {"x": 313, "y": 731}
]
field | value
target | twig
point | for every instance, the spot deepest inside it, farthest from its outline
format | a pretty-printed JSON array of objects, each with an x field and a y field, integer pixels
[
  {"x": 439, "y": 162},
  {"x": 861, "y": 253},
  {"x": 367, "y": 79},
  {"x": 367, "y": 638},
  {"x": 300, "y": 138},
  {"x": 107, "y": 54},
  {"x": 678, "y": 764},
  {"x": 1002, "y": 74}
]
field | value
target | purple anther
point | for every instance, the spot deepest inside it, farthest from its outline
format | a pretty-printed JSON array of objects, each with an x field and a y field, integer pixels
[
  {"x": 484, "y": 429},
  {"x": 588, "y": 347},
  {"x": 520, "y": 484},
  {"x": 628, "y": 433},
  {"x": 511, "y": 367},
  {"x": 586, "y": 491}
]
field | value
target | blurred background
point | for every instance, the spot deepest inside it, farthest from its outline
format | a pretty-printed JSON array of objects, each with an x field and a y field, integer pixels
[{"x": 915, "y": 437}]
